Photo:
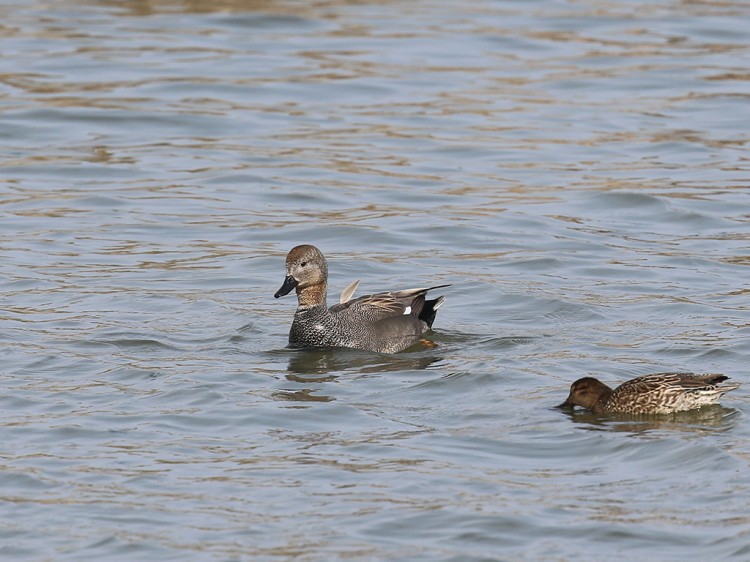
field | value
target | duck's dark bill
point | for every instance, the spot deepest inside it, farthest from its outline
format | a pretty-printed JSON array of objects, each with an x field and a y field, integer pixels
[
  {"x": 565, "y": 406},
  {"x": 289, "y": 284}
]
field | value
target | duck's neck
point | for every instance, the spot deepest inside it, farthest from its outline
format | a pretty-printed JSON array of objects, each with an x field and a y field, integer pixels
[
  {"x": 604, "y": 393},
  {"x": 312, "y": 295}
]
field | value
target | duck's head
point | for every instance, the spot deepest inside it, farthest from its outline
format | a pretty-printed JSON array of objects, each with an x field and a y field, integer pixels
[
  {"x": 585, "y": 392},
  {"x": 305, "y": 267}
]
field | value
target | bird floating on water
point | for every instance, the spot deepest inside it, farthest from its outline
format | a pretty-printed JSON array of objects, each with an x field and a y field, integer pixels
[
  {"x": 661, "y": 393},
  {"x": 384, "y": 322}
]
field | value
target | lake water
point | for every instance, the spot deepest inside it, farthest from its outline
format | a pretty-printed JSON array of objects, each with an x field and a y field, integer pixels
[{"x": 577, "y": 170}]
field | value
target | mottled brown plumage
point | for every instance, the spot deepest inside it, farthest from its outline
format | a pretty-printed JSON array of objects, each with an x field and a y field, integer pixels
[
  {"x": 661, "y": 393},
  {"x": 385, "y": 322}
]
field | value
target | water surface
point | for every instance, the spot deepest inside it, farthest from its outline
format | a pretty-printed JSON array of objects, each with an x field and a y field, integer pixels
[{"x": 578, "y": 171}]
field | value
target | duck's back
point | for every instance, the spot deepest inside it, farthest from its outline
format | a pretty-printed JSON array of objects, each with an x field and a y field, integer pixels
[
  {"x": 384, "y": 322},
  {"x": 665, "y": 393}
]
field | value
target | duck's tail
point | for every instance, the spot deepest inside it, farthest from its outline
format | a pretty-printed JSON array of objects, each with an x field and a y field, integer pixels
[{"x": 429, "y": 310}]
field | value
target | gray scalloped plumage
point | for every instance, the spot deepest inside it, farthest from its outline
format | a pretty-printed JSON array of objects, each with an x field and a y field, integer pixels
[{"x": 384, "y": 322}]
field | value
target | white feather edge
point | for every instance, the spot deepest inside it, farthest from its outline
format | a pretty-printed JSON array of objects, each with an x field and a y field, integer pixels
[{"x": 347, "y": 293}]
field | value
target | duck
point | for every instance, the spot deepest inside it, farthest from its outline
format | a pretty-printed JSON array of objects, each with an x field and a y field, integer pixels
[
  {"x": 659, "y": 393},
  {"x": 386, "y": 322}
]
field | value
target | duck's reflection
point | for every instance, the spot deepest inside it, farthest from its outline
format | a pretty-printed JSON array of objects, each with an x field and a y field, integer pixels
[
  {"x": 313, "y": 367},
  {"x": 302, "y": 395},
  {"x": 324, "y": 362},
  {"x": 712, "y": 418}
]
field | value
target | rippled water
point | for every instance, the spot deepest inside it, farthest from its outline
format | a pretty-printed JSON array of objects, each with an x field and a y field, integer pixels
[{"x": 577, "y": 170}]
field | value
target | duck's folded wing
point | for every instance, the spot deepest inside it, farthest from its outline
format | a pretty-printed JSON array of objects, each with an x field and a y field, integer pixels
[
  {"x": 375, "y": 307},
  {"x": 669, "y": 383},
  {"x": 384, "y": 305}
]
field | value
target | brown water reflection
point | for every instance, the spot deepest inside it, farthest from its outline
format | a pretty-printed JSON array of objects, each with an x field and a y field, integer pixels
[{"x": 144, "y": 8}]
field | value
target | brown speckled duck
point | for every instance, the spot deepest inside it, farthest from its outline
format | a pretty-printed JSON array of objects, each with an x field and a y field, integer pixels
[
  {"x": 661, "y": 393},
  {"x": 384, "y": 322}
]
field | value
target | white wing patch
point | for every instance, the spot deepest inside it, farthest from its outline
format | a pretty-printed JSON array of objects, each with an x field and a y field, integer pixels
[{"x": 407, "y": 310}]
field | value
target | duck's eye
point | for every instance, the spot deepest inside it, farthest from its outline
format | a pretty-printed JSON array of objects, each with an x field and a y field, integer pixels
[{"x": 303, "y": 264}]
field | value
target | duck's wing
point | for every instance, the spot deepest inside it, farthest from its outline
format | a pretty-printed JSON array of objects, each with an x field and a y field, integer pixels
[
  {"x": 384, "y": 305},
  {"x": 710, "y": 383},
  {"x": 669, "y": 383}
]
